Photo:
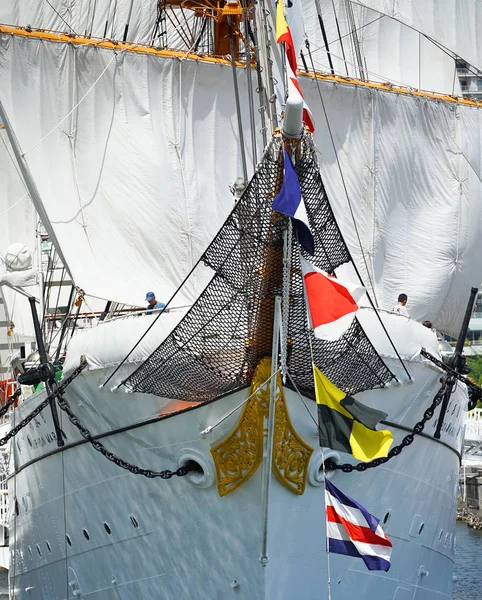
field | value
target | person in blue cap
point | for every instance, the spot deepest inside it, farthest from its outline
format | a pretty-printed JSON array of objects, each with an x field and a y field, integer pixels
[{"x": 153, "y": 304}]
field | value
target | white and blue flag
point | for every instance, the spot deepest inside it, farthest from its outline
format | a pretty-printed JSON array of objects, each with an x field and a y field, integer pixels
[{"x": 290, "y": 202}]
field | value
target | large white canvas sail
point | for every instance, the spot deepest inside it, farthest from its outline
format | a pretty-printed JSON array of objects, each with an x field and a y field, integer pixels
[
  {"x": 390, "y": 50},
  {"x": 454, "y": 24},
  {"x": 17, "y": 226},
  {"x": 136, "y": 181},
  {"x": 17, "y": 214},
  {"x": 133, "y": 20},
  {"x": 412, "y": 168},
  {"x": 85, "y": 18},
  {"x": 143, "y": 171}
]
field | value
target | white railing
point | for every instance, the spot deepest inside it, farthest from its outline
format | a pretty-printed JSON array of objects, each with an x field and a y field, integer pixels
[
  {"x": 3, "y": 508},
  {"x": 473, "y": 425}
]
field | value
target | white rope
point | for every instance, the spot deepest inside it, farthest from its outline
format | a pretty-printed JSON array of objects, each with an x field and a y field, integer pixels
[
  {"x": 209, "y": 428},
  {"x": 382, "y": 78},
  {"x": 76, "y": 106},
  {"x": 14, "y": 204}
]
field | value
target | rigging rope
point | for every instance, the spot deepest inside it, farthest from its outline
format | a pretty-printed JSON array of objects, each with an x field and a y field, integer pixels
[
  {"x": 14, "y": 162},
  {"x": 46, "y": 307},
  {"x": 325, "y": 39},
  {"x": 250, "y": 83},
  {"x": 354, "y": 37},
  {"x": 198, "y": 262},
  {"x": 342, "y": 176},
  {"x": 354, "y": 223},
  {"x": 339, "y": 34},
  {"x": 338, "y": 39},
  {"x": 217, "y": 345},
  {"x": 260, "y": 90},
  {"x": 383, "y": 78},
  {"x": 236, "y": 97},
  {"x": 13, "y": 205},
  {"x": 60, "y": 16},
  {"x": 114, "y": 57},
  {"x": 93, "y": 16}
]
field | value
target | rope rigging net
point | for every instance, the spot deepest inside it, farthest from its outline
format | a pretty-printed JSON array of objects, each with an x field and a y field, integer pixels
[{"x": 217, "y": 346}]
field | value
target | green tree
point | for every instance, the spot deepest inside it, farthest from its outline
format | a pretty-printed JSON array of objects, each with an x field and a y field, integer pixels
[{"x": 475, "y": 364}]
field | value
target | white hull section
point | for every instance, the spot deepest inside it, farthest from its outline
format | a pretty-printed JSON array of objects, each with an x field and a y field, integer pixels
[{"x": 130, "y": 537}]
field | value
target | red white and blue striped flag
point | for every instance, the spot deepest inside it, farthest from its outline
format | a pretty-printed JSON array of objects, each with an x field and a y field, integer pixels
[{"x": 352, "y": 530}]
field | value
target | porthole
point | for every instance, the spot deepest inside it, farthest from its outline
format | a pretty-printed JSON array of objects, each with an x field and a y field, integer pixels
[
  {"x": 446, "y": 538},
  {"x": 420, "y": 529},
  {"x": 86, "y": 534},
  {"x": 386, "y": 518},
  {"x": 39, "y": 551},
  {"x": 316, "y": 468},
  {"x": 107, "y": 528},
  {"x": 69, "y": 541},
  {"x": 440, "y": 535},
  {"x": 134, "y": 521},
  {"x": 48, "y": 546},
  {"x": 30, "y": 551}
]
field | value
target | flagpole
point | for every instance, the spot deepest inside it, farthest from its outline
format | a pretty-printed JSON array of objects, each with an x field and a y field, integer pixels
[
  {"x": 326, "y": 526},
  {"x": 324, "y": 489},
  {"x": 268, "y": 440}
]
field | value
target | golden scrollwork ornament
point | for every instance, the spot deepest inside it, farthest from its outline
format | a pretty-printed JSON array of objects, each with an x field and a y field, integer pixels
[{"x": 239, "y": 455}]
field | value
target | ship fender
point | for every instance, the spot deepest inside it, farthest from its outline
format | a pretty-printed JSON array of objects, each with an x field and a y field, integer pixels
[
  {"x": 315, "y": 468},
  {"x": 202, "y": 473}
]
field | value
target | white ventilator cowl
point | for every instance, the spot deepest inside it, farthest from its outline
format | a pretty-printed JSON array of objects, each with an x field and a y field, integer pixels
[{"x": 18, "y": 258}]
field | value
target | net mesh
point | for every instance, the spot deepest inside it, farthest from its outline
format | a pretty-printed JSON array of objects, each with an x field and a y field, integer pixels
[{"x": 217, "y": 346}]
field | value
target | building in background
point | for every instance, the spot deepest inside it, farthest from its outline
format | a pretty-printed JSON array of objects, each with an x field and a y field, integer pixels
[{"x": 470, "y": 80}]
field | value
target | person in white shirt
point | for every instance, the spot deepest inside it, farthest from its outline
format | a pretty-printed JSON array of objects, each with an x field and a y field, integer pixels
[{"x": 400, "y": 307}]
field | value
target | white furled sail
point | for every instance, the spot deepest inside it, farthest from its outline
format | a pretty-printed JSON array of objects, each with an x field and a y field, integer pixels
[
  {"x": 99, "y": 19},
  {"x": 453, "y": 24},
  {"x": 17, "y": 214},
  {"x": 143, "y": 161},
  {"x": 17, "y": 230},
  {"x": 127, "y": 226},
  {"x": 412, "y": 169},
  {"x": 388, "y": 50},
  {"x": 121, "y": 20}
]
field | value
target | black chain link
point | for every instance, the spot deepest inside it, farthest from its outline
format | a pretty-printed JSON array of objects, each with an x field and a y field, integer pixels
[
  {"x": 330, "y": 465},
  {"x": 13, "y": 432},
  {"x": 166, "y": 474},
  {"x": 11, "y": 400}
]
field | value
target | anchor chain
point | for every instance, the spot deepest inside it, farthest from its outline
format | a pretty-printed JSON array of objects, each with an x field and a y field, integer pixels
[
  {"x": 396, "y": 450},
  {"x": 11, "y": 400},
  {"x": 475, "y": 392},
  {"x": 13, "y": 432},
  {"x": 165, "y": 474}
]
